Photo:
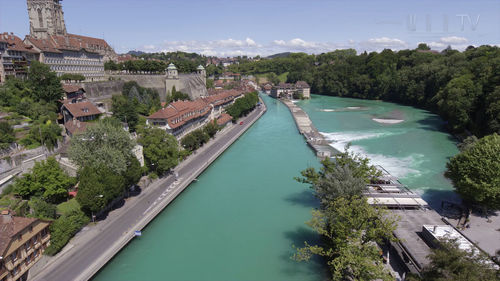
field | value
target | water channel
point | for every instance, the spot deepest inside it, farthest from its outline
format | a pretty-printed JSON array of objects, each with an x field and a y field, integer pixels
[{"x": 240, "y": 220}]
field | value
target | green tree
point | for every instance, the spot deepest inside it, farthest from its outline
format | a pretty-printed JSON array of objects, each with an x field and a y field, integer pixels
[
  {"x": 42, "y": 209},
  {"x": 44, "y": 83},
  {"x": 62, "y": 229},
  {"x": 103, "y": 143},
  {"x": 99, "y": 185},
  {"x": 448, "y": 262},
  {"x": 475, "y": 172},
  {"x": 72, "y": 77},
  {"x": 7, "y": 135},
  {"x": 125, "y": 111},
  {"x": 350, "y": 228},
  {"x": 161, "y": 150},
  {"x": 211, "y": 129},
  {"x": 46, "y": 180}
]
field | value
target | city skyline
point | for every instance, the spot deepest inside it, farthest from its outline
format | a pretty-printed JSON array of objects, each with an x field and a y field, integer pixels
[{"x": 223, "y": 28}]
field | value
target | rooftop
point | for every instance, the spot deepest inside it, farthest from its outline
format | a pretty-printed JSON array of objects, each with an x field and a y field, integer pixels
[
  {"x": 10, "y": 226},
  {"x": 82, "y": 109}
]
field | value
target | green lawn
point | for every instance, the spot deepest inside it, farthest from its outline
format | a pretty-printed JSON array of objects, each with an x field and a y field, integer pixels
[
  {"x": 66, "y": 207},
  {"x": 263, "y": 79}
]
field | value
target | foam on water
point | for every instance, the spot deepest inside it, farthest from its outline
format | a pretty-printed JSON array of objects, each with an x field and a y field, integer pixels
[{"x": 398, "y": 167}]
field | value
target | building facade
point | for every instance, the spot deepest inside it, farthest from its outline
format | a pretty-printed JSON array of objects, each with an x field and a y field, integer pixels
[
  {"x": 71, "y": 54},
  {"x": 291, "y": 91},
  {"x": 22, "y": 243},
  {"x": 15, "y": 56},
  {"x": 182, "y": 117},
  {"x": 64, "y": 52},
  {"x": 46, "y": 17}
]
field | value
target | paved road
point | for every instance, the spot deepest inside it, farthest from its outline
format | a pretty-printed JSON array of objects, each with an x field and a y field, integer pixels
[{"x": 80, "y": 258}]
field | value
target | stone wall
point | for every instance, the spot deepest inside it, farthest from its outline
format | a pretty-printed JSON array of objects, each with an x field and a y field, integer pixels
[{"x": 106, "y": 89}]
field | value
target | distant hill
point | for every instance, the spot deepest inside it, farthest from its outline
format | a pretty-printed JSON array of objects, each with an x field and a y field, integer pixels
[
  {"x": 280, "y": 55},
  {"x": 136, "y": 53}
]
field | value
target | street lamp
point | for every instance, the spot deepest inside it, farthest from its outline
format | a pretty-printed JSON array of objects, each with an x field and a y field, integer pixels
[{"x": 92, "y": 212}]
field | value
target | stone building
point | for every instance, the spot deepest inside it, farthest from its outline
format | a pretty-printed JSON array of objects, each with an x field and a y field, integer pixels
[
  {"x": 193, "y": 84},
  {"x": 46, "y": 18},
  {"x": 289, "y": 90},
  {"x": 62, "y": 51},
  {"x": 15, "y": 56},
  {"x": 182, "y": 117},
  {"x": 22, "y": 243}
]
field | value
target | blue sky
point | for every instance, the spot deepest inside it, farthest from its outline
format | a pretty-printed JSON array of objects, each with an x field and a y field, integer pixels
[{"x": 244, "y": 27}]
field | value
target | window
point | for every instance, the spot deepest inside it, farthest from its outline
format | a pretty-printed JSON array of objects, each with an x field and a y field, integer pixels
[{"x": 13, "y": 256}]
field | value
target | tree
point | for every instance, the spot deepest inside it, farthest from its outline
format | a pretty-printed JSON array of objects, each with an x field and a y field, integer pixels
[
  {"x": 103, "y": 143},
  {"x": 42, "y": 209},
  {"x": 350, "y": 228},
  {"x": 448, "y": 262},
  {"x": 6, "y": 135},
  {"x": 46, "y": 180},
  {"x": 211, "y": 129},
  {"x": 475, "y": 172},
  {"x": 62, "y": 229},
  {"x": 46, "y": 133},
  {"x": 161, "y": 150},
  {"x": 72, "y": 77},
  {"x": 99, "y": 185},
  {"x": 125, "y": 111},
  {"x": 344, "y": 176},
  {"x": 44, "y": 83}
]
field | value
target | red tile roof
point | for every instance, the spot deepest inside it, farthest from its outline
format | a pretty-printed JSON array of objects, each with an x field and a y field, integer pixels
[
  {"x": 68, "y": 88},
  {"x": 71, "y": 42},
  {"x": 223, "y": 119},
  {"x": 82, "y": 109},
  {"x": 10, "y": 226},
  {"x": 76, "y": 127},
  {"x": 15, "y": 43}
]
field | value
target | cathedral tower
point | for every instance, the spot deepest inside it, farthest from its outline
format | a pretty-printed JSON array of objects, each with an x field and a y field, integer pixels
[{"x": 46, "y": 18}]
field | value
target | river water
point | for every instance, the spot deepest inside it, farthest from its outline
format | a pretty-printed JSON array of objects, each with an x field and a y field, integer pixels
[
  {"x": 240, "y": 220},
  {"x": 410, "y": 143}
]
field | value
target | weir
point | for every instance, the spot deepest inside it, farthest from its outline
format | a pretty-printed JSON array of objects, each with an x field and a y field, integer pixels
[{"x": 415, "y": 215}]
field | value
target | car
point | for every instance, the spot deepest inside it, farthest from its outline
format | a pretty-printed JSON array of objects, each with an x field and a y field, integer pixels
[{"x": 241, "y": 123}]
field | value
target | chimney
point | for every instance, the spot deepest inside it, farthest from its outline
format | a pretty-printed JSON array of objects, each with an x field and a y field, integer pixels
[
  {"x": 74, "y": 122},
  {"x": 435, "y": 228},
  {"x": 6, "y": 217}
]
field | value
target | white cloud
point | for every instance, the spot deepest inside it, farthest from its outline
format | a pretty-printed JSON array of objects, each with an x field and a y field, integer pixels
[
  {"x": 236, "y": 47},
  {"x": 453, "y": 40},
  {"x": 458, "y": 43},
  {"x": 378, "y": 44}
]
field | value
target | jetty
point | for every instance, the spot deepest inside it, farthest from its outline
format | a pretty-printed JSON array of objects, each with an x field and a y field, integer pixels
[{"x": 419, "y": 226}]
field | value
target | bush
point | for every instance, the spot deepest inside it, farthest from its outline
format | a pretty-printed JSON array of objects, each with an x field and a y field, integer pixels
[
  {"x": 63, "y": 229},
  {"x": 41, "y": 209}
]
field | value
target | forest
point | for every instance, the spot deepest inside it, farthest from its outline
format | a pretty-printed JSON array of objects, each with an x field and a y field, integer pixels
[{"x": 462, "y": 87}]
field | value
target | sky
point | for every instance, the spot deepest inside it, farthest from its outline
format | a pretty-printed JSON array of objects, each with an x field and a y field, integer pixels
[{"x": 264, "y": 27}]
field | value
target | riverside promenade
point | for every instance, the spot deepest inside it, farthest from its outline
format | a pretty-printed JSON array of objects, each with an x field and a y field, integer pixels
[{"x": 95, "y": 245}]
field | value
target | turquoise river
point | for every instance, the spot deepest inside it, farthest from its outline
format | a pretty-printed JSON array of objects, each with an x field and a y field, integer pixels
[{"x": 241, "y": 218}]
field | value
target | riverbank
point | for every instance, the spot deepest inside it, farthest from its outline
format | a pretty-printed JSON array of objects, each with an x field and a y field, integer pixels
[{"x": 97, "y": 244}]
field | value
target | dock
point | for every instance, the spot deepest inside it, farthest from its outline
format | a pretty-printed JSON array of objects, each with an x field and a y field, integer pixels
[{"x": 419, "y": 226}]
